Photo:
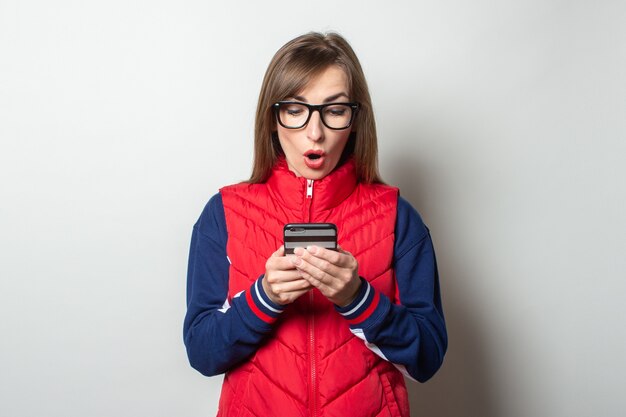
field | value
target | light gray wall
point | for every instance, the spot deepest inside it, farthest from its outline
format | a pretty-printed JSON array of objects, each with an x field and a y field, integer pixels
[{"x": 501, "y": 121}]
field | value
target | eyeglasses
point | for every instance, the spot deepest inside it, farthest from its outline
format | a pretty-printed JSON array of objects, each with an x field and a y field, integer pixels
[{"x": 295, "y": 115}]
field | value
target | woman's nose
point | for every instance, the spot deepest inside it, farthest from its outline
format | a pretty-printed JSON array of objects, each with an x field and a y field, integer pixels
[{"x": 314, "y": 129}]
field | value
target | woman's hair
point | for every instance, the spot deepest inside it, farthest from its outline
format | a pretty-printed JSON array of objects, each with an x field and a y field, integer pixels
[{"x": 293, "y": 66}]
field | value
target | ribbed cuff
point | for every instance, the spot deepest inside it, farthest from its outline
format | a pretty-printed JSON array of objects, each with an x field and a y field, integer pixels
[
  {"x": 366, "y": 307},
  {"x": 263, "y": 308}
]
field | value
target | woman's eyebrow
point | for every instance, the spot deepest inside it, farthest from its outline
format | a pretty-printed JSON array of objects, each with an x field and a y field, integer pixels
[
  {"x": 335, "y": 97},
  {"x": 326, "y": 100}
]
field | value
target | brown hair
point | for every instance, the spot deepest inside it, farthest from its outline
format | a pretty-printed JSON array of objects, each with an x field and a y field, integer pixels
[{"x": 291, "y": 69}]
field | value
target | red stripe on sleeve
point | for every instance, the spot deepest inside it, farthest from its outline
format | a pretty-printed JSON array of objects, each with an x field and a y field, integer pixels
[
  {"x": 256, "y": 311},
  {"x": 368, "y": 312}
]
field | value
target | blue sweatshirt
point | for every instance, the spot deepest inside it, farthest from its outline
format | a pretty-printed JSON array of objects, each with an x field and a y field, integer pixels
[{"x": 219, "y": 334}]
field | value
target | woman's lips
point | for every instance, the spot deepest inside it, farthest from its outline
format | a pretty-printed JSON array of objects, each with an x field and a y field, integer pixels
[{"x": 314, "y": 162}]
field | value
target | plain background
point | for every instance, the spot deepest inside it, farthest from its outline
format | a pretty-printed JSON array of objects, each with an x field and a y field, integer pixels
[{"x": 502, "y": 122}]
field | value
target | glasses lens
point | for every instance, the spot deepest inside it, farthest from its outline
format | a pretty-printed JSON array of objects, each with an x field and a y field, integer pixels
[
  {"x": 337, "y": 116},
  {"x": 293, "y": 115}
]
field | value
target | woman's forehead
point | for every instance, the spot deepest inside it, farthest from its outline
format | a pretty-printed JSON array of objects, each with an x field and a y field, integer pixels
[{"x": 328, "y": 83}]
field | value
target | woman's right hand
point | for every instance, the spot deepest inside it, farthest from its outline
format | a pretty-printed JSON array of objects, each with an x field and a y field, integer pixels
[{"x": 282, "y": 282}]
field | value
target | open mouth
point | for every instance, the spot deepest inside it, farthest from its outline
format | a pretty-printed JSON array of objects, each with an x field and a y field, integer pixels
[
  {"x": 314, "y": 159},
  {"x": 314, "y": 154}
]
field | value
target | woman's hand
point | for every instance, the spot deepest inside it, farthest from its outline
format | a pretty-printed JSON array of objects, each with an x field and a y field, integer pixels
[
  {"x": 334, "y": 273},
  {"x": 282, "y": 282}
]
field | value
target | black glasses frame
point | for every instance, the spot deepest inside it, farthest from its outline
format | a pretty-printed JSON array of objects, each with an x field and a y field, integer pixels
[{"x": 315, "y": 107}]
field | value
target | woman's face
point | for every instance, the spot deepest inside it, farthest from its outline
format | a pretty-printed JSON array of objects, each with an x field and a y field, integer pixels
[{"x": 301, "y": 146}]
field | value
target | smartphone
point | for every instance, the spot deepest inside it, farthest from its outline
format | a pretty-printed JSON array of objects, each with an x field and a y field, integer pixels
[{"x": 304, "y": 234}]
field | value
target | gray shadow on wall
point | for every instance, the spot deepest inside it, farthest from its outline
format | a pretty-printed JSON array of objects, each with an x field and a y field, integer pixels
[{"x": 462, "y": 387}]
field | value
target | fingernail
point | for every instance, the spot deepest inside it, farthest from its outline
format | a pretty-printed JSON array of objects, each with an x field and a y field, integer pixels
[
  {"x": 296, "y": 261},
  {"x": 312, "y": 249},
  {"x": 298, "y": 251}
]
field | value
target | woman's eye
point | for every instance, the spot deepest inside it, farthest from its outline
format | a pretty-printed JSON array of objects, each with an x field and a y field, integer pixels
[
  {"x": 293, "y": 111},
  {"x": 337, "y": 111}
]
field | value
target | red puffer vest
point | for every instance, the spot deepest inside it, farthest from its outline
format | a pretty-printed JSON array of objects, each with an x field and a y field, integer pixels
[{"x": 311, "y": 364}]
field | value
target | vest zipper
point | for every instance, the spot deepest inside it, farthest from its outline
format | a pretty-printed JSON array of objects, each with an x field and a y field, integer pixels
[
  {"x": 312, "y": 351},
  {"x": 308, "y": 200},
  {"x": 313, "y": 390}
]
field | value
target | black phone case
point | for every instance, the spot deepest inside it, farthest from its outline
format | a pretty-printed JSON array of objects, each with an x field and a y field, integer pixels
[{"x": 304, "y": 234}]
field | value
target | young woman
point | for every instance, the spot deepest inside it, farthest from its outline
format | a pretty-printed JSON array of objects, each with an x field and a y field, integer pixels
[{"x": 320, "y": 332}]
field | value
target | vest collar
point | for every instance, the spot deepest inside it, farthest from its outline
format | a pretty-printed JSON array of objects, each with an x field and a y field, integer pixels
[{"x": 328, "y": 192}]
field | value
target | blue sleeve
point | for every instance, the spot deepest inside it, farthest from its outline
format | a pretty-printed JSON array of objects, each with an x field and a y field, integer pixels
[
  {"x": 220, "y": 333},
  {"x": 412, "y": 334}
]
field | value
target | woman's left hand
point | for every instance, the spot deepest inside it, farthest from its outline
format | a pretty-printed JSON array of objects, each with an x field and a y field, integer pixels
[{"x": 334, "y": 273}]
